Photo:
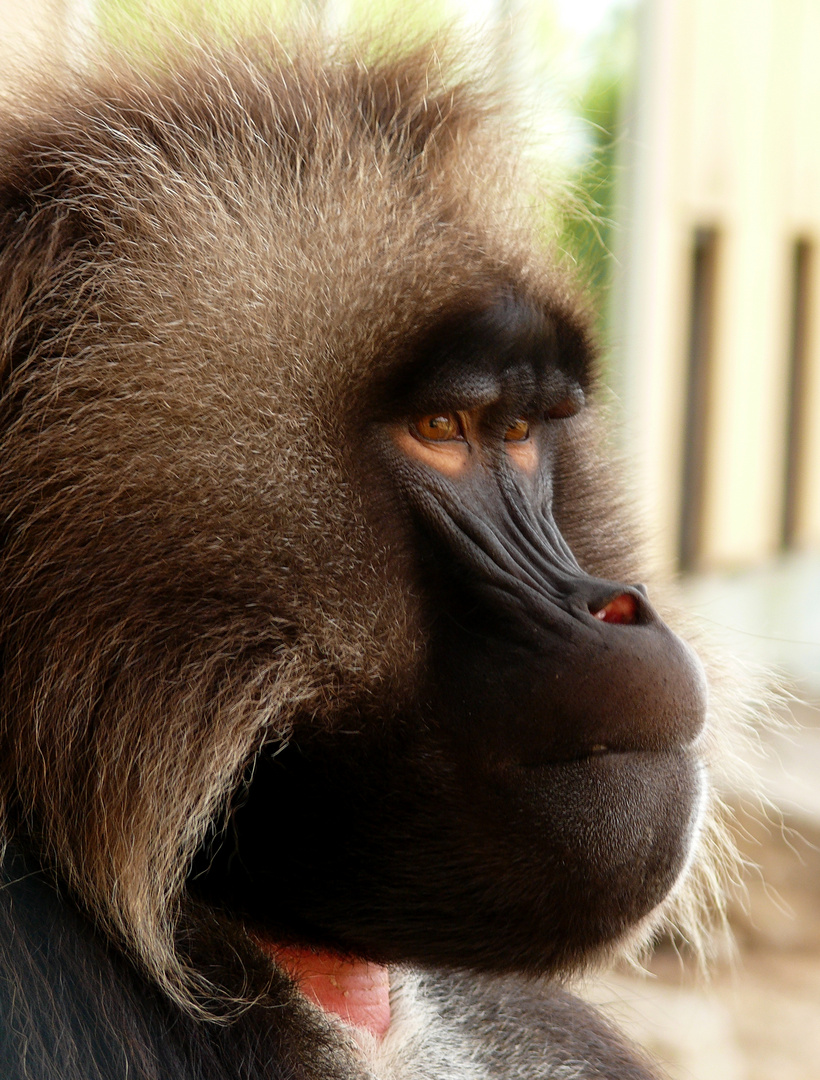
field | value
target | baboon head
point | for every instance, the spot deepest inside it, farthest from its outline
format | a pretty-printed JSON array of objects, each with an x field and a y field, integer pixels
[{"x": 318, "y": 601}]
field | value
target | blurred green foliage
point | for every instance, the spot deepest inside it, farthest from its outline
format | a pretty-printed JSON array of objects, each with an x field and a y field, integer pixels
[
  {"x": 136, "y": 22},
  {"x": 590, "y": 234}
]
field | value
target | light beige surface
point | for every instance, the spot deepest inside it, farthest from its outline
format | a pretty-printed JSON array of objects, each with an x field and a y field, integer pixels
[
  {"x": 724, "y": 135},
  {"x": 31, "y": 30}
]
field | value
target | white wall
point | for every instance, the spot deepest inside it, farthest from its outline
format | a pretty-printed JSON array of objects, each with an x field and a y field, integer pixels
[{"x": 725, "y": 135}]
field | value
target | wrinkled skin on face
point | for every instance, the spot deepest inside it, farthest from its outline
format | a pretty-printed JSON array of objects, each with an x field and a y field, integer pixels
[{"x": 537, "y": 795}]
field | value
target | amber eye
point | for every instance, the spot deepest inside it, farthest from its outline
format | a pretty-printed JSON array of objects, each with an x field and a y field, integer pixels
[
  {"x": 517, "y": 432},
  {"x": 439, "y": 427}
]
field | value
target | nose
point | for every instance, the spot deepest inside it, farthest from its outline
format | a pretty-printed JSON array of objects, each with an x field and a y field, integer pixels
[{"x": 622, "y": 608}]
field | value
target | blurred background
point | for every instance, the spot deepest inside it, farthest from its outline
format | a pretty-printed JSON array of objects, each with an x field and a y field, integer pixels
[{"x": 689, "y": 133}]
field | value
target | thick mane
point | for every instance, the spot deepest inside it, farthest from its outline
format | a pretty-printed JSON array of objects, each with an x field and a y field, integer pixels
[
  {"x": 147, "y": 220},
  {"x": 193, "y": 309}
]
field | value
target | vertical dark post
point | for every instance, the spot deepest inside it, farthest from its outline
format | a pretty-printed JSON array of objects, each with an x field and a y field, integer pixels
[
  {"x": 796, "y": 418},
  {"x": 703, "y": 304}
]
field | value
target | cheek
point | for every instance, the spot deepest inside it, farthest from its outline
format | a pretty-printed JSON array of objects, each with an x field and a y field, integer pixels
[{"x": 524, "y": 455}]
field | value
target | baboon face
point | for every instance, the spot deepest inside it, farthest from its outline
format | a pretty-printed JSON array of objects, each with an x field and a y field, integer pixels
[{"x": 537, "y": 792}]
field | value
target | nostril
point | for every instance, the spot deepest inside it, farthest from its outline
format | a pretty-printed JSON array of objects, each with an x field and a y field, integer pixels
[{"x": 620, "y": 609}]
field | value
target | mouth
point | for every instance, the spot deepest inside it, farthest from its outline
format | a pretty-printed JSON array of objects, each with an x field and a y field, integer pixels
[{"x": 540, "y": 867}]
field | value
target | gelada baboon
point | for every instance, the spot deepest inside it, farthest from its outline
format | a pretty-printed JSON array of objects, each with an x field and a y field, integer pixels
[{"x": 332, "y": 713}]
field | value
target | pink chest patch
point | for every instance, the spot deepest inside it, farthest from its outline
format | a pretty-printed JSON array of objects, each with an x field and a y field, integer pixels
[{"x": 354, "y": 990}]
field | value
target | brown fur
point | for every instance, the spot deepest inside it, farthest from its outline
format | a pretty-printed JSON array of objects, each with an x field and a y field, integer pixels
[{"x": 202, "y": 272}]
